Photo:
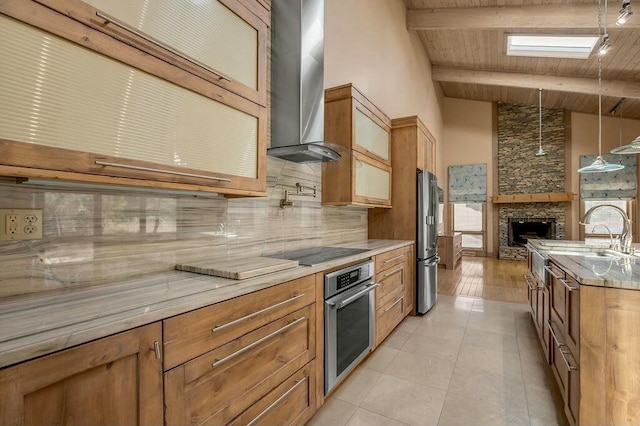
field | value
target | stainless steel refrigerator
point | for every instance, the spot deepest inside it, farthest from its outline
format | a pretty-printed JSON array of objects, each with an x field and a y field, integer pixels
[{"x": 426, "y": 241}]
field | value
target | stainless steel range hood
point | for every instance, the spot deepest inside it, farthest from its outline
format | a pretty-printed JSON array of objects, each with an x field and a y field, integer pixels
[{"x": 297, "y": 82}]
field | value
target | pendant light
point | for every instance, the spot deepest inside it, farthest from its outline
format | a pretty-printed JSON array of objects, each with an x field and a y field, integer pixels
[
  {"x": 625, "y": 13},
  {"x": 632, "y": 148},
  {"x": 600, "y": 165},
  {"x": 541, "y": 152}
]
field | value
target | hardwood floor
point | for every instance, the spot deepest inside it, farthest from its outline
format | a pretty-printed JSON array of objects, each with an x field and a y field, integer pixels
[{"x": 487, "y": 278}]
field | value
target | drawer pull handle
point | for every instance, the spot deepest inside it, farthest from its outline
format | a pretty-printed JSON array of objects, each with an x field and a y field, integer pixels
[
  {"x": 111, "y": 20},
  {"x": 277, "y": 401},
  {"x": 553, "y": 274},
  {"x": 394, "y": 304},
  {"x": 156, "y": 348},
  {"x": 531, "y": 285},
  {"x": 393, "y": 259},
  {"x": 217, "y": 362},
  {"x": 261, "y": 311},
  {"x": 553, "y": 333},
  {"x": 392, "y": 272},
  {"x": 566, "y": 361},
  {"x": 570, "y": 288},
  {"x": 151, "y": 169}
]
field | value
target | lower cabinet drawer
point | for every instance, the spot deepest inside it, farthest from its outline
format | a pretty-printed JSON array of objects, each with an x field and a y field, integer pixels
[
  {"x": 189, "y": 335},
  {"x": 388, "y": 259},
  {"x": 220, "y": 385},
  {"x": 391, "y": 283},
  {"x": 291, "y": 403},
  {"x": 388, "y": 317}
]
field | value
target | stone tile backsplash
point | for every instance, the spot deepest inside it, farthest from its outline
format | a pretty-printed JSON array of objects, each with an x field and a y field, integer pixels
[{"x": 97, "y": 236}]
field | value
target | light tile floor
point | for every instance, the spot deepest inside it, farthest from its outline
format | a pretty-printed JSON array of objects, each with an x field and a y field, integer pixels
[{"x": 468, "y": 361}]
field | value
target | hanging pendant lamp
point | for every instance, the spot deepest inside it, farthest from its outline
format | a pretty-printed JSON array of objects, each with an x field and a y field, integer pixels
[
  {"x": 631, "y": 148},
  {"x": 600, "y": 165},
  {"x": 541, "y": 152}
]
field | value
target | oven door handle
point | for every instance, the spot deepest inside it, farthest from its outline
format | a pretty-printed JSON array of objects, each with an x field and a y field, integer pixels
[{"x": 341, "y": 304}]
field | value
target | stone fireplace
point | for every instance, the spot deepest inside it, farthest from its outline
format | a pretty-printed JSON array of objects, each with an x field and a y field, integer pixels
[
  {"x": 521, "y": 172},
  {"x": 522, "y": 229}
]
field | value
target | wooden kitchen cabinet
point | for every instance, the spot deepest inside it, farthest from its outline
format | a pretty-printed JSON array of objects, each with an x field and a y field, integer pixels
[
  {"x": 539, "y": 301},
  {"x": 270, "y": 333},
  {"x": 392, "y": 295},
  {"x": 194, "y": 333},
  {"x": 450, "y": 250},
  {"x": 291, "y": 403},
  {"x": 557, "y": 296},
  {"x": 408, "y": 153},
  {"x": 363, "y": 175},
  {"x": 149, "y": 120},
  {"x": 411, "y": 131},
  {"x": 410, "y": 281},
  {"x": 222, "y": 41},
  {"x": 354, "y": 122},
  {"x": 595, "y": 349},
  {"x": 116, "y": 380}
]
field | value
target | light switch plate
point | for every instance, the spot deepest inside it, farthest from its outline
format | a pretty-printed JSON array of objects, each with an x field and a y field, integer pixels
[{"x": 20, "y": 224}]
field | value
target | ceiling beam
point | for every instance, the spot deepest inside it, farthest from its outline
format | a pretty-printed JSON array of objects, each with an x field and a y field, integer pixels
[
  {"x": 549, "y": 16},
  {"x": 589, "y": 86}
]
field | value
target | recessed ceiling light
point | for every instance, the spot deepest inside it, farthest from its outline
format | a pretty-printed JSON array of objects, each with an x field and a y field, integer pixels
[{"x": 551, "y": 46}]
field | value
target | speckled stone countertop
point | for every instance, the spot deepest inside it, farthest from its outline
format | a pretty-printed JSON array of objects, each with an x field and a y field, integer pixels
[
  {"x": 608, "y": 270},
  {"x": 36, "y": 325}
]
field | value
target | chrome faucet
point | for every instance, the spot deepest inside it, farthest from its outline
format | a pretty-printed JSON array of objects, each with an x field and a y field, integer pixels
[
  {"x": 625, "y": 236},
  {"x": 612, "y": 245}
]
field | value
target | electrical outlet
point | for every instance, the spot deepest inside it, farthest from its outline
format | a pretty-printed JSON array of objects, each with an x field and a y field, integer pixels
[{"x": 20, "y": 224}]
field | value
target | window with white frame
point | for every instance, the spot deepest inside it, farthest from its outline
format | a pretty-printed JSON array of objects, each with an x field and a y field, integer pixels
[
  {"x": 468, "y": 219},
  {"x": 605, "y": 220}
]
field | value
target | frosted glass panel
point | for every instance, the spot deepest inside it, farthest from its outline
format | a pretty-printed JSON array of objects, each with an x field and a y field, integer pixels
[
  {"x": 59, "y": 94},
  {"x": 371, "y": 136},
  {"x": 206, "y": 30},
  {"x": 371, "y": 182}
]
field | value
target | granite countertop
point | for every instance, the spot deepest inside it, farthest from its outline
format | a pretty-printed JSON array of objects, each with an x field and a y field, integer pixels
[
  {"x": 36, "y": 325},
  {"x": 594, "y": 265}
]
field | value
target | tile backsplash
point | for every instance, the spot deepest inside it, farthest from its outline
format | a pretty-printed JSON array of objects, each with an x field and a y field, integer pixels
[{"x": 97, "y": 236}]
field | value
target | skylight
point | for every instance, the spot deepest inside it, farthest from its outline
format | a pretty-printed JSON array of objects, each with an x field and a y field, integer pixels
[{"x": 551, "y": 46}]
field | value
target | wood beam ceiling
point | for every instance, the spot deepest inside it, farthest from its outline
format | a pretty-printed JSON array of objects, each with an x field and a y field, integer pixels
[
  {"x": 613, "y": 88},
  {"x": 550, "y": 16}
]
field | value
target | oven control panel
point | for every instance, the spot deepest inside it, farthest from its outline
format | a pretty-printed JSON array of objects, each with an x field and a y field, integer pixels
[
  {"x": 348, "y": 278},
  {"x": 338, "y": 281}
]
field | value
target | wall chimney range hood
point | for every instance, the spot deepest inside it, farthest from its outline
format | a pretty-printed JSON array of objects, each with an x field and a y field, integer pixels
[{"x": 297, "y": 82}]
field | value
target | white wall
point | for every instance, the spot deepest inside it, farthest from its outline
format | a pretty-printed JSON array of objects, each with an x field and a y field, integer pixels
[
  {"x": 468, "y": 139},
  {"x": 367, "y": 44}
]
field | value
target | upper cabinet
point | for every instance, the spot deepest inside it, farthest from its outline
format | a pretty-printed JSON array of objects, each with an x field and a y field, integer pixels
[
  {"x": 352, "y": 121},
  {"x": 414, "y": 140},
  {"x": 363, "y": 175},
  {"x": 221, "y": 41},
  {"x": 168, "y": 94}
]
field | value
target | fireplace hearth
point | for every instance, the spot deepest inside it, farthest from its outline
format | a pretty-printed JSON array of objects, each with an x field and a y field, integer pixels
[{"x": 523, "y": 229}]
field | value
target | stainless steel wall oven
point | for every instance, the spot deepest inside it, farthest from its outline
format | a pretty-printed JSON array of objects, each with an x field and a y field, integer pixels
[{"x": 349, "y": 320}]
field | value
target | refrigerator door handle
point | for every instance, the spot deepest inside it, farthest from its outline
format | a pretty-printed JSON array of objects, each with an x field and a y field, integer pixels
[{"x": 435, "y": 261}]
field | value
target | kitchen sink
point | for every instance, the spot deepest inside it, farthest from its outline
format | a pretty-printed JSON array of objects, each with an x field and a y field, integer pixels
[{"x": 605, "y": 253}]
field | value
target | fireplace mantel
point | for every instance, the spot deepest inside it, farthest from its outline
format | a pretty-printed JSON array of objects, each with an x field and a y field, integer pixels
[{"x": 547, "y": 197}]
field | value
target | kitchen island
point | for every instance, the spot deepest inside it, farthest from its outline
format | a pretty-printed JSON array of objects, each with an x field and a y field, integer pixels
[{"x": 586, "y": 307}]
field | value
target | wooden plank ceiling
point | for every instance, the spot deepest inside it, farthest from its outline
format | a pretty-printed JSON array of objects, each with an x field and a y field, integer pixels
[{"x": 466, "y": 43}]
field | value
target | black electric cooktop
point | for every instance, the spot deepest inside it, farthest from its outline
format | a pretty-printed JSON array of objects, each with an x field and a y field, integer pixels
[{"x": 317, "y": 255}]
